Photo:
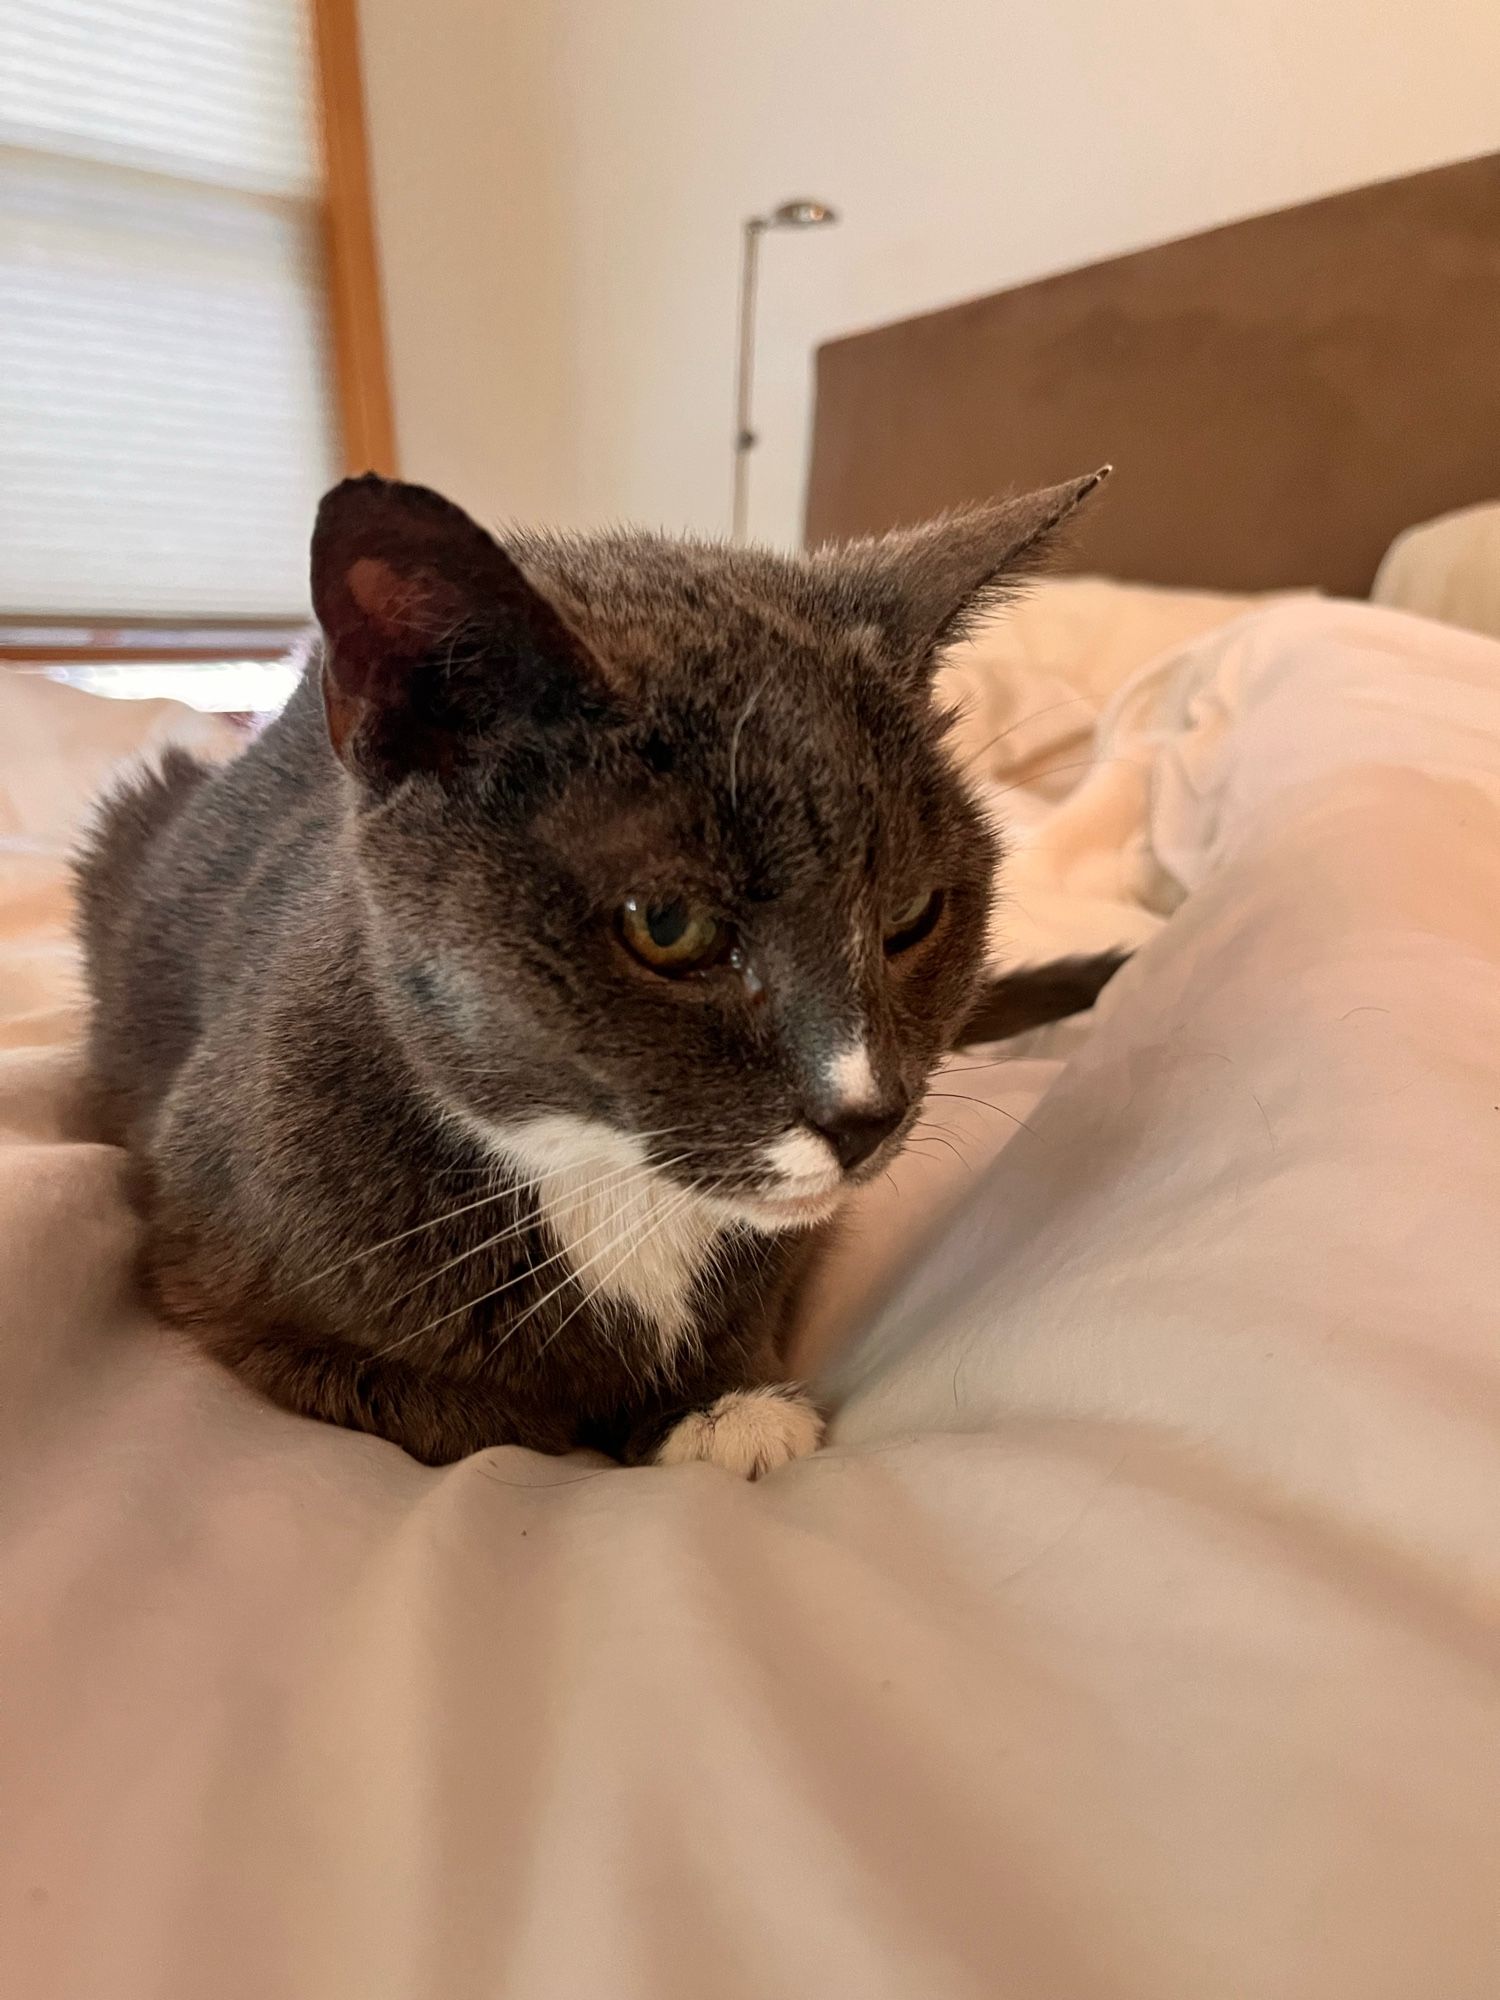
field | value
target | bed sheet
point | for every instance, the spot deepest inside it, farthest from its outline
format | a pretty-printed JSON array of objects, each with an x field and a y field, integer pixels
[{"x": 1138, "y": 1633}]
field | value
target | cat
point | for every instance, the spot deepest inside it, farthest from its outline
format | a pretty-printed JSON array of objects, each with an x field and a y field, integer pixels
[{"x": 496, "y": 1036}]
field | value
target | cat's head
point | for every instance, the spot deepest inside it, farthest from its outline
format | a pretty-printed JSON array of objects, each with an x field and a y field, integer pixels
[{"x": 659, "y": 852}]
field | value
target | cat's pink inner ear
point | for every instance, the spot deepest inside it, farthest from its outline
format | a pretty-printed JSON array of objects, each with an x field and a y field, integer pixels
[
  {"x": 378, "y": 590},
  {"x": 403, "y": 609},
  {"x": 385, "y": 619}
]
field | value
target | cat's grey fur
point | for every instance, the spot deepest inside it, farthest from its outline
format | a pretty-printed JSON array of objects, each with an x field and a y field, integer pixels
[{"x": 362, "y": 1018}]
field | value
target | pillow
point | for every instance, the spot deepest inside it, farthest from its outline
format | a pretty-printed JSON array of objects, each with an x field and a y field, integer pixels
[
  {"x": 1031, "y": 680},
  {"x": 1448, "y": 569}
]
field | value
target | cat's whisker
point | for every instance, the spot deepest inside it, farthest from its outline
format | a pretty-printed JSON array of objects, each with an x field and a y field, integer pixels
[
  {"x": 500, "y": 1193},
  {"x": 985, "y": 1104},
  {"x": 645, "y": 1137},
  {"x": 942, "y": 1139},
  {"x": 577, "y": 1199},
  {"x": 713, "y": 1149},
  {"x": 973, "y": 757},
  {"x": 506, "y": 1285},
  {"x": 1059, "y": 770},
  {"x": 495, "y": 1292},
  {"x": 731, "y": 1146},
  {"x": 620, "y": 1224},
  {"x": 932, "y": 1125},
  {"x": 663, "y": 1221},
  {"x": 388, "y": 1242},
  {"x": 667, "y": 1215}
]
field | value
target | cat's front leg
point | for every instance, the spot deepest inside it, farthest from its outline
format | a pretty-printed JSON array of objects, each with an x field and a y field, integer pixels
[
  {"x": 737, "y": 1410},
  {"x": 747, "y": 1432}
]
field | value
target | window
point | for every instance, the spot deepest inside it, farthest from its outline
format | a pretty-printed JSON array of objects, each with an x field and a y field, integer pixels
[{"x": 190, "y": 345}]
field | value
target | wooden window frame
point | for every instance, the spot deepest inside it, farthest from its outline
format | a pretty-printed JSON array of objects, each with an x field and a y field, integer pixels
[
  {"x": 362, "y": 397},
  {"x": 356, "y": 314}
]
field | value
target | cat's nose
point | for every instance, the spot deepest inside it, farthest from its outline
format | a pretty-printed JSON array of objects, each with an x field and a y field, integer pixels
[{"x": 855, "y": 1135}]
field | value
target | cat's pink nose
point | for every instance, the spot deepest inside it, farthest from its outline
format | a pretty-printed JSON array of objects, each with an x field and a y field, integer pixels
[{"x": 855, "y": 1135}]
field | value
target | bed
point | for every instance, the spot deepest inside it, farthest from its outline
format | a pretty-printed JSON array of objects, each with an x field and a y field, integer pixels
[{"x": 1136, "y": 1634}]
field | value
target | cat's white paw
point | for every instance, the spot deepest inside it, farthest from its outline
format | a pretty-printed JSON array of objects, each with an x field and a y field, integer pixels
[{"x": 748, "y": 1432}]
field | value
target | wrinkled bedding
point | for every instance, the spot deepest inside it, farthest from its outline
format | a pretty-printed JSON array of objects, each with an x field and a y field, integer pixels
[{"x": 1138, "y": 1633}]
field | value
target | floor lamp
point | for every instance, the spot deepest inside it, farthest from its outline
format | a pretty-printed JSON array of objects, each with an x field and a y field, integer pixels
[{"x": 791, "y": 215}]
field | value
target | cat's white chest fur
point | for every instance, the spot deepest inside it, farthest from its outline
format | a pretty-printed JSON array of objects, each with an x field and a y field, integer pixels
[{"x": 624, "y": 1230}]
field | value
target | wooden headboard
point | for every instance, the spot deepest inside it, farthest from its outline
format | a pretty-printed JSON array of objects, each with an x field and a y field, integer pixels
[{"x": 1279, "y": 397}]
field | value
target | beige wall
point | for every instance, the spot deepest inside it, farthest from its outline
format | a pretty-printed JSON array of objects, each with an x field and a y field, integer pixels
[{"x": 559, "y": 185}]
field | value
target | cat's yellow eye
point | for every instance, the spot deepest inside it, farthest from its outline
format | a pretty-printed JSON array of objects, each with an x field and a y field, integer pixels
[
  {"x": 673, "y": 936},
  {"x": 916, "y": 920}
]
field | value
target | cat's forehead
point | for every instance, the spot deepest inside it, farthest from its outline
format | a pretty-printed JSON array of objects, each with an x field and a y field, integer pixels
[
  {"x": 648, "y": 604},
  {"x": 762, "y": 694},
  {"x": 776, "y": 794}
]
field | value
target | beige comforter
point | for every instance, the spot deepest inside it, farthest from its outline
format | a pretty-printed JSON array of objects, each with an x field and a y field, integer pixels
[{"x": 1138, "y": 1633}]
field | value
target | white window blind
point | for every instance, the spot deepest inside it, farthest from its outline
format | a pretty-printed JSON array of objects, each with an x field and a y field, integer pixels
[{"x": 166, "y": 394}]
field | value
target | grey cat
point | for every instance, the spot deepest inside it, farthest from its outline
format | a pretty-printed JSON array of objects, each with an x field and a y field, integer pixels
[{"x": 495, "y": 1036}]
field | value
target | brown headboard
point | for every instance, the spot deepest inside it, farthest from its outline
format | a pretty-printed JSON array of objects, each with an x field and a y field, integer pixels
[{"x": 1279, "y": 397}]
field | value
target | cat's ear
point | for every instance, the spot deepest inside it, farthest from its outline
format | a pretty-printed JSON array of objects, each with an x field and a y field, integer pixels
[
  {"x": 432, "y": 635},
  {"x": 926, "y": 586}
]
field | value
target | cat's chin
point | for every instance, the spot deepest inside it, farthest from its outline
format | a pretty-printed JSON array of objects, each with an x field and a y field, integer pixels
[{"x": 770, "y": 1214}]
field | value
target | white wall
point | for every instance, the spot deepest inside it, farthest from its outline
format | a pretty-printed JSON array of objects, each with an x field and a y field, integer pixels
[{"x": 559, "y": 186}]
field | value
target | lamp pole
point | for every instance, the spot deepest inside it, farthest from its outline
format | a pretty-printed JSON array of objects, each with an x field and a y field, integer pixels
[
  {"x": 803, "y": 214},
  {"x": 744, "y": 374}
]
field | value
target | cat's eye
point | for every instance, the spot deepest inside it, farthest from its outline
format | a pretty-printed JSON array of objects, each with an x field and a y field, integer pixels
[
  {"x": 674, "y": 936},
  {"x": 913, "y": 922}
]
